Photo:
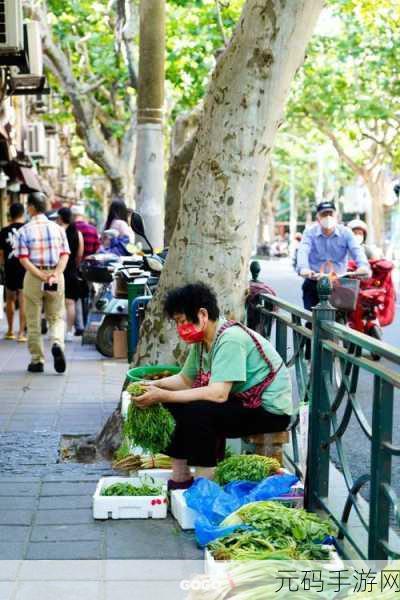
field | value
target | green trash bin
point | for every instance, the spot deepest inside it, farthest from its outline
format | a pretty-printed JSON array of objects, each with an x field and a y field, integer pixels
[{"x": 139, "y": 373}]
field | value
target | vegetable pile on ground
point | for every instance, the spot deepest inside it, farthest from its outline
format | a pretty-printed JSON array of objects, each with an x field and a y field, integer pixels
[
  {"x": 276, "y": 532},
  {"x": 134, "y": 462},
  {"x": 150, "y": 428},
  {"x": 146, "y": 488},
  {"x": 249, "y": 467}
]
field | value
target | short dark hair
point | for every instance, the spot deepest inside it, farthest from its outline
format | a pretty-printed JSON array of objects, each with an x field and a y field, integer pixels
[
  {"x": 189, "y": 299},
  {"x": 38, "y": 200},
  {"x": 16, "y": 210},
  {"x": 65, "y": 215}
]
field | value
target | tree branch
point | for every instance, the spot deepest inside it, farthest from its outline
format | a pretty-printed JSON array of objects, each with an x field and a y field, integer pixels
[
  {"x": 128, "y": 33},
  {"x": 324, "y": 128},
  {"x": 220, "y": 22}
]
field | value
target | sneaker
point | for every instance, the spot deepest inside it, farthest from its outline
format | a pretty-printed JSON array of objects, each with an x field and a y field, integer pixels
[
  {"x": 36, "y": 367},
  {"x": 69, "y": 336},
  {"x": 78, "y": 332},
  {"x": 59, "y": 358}
]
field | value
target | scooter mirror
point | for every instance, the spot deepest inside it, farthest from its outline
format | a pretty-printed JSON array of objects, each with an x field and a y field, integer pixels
[
  {"x": 137, "y": 224},
  {"x": 138, "y": 227}
]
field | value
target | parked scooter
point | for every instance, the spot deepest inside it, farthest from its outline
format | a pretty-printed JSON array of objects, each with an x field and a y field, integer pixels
[
  {"x": 110, "y": 306},
  {"x": 376, "y": 302}
]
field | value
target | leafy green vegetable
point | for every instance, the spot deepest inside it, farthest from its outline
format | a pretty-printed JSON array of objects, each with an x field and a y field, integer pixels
[
  {"x": 250, "y": 467},
  {"x": 274, "y": 527},
  {"x": 127, "y": 489},
  {"x": 152, "y": 427}
]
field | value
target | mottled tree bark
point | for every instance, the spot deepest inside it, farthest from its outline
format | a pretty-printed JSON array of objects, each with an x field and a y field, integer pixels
[{"x": 222, "y": 192}]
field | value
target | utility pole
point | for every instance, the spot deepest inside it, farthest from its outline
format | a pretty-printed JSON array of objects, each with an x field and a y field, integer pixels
[{"x": 149, "y": 153}]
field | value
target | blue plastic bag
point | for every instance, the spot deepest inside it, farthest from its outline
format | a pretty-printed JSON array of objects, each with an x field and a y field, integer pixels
[
  {"x": 214, "y": 503},
  {"x": 272, "y": 487}
]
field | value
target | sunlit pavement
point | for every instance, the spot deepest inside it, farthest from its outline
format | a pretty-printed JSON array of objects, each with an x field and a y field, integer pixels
[{"x": 45, "y": 505}]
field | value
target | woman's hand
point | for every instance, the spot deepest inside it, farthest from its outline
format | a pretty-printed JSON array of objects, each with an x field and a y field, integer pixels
[{"x": 154, "y": 395}]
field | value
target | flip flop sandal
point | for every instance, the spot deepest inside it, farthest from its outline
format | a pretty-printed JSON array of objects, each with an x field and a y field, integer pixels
[
  {"x": 9, "y": 336},
  {"x": 22, "y": 338}
]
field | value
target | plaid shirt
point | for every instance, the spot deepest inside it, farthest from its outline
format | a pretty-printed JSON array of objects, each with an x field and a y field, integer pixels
[
  {"x": 42, "y": 241},
  {"x": 90, "y": 236}
]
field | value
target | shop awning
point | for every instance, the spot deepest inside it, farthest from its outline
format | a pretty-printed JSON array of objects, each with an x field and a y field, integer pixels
[{"x": 30, "y": 180}]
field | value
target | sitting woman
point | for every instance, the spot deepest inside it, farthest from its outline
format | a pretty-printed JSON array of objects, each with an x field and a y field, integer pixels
[{"x": 232, "y": 384}]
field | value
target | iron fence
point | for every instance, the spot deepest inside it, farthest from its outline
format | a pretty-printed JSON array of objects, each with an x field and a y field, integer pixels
[{"x": 327, "y": 359}]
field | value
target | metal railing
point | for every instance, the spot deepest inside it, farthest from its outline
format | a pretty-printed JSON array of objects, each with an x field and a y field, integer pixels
[{"x": 327, "y": 359}]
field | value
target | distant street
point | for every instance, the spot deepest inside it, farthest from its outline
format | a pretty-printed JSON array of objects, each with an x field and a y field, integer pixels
[{"x": 281, "y": 277}]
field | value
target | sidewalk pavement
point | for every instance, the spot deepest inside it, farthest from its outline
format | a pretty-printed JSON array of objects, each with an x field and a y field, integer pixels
[{"x": 45, "y": 505}]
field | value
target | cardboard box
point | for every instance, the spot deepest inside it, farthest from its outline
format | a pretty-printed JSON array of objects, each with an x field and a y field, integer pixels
[{"x": 120, "y": 343}]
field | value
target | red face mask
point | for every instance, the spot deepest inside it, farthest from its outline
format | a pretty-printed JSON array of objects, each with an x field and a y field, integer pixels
[{"x": 190, "y": 334}]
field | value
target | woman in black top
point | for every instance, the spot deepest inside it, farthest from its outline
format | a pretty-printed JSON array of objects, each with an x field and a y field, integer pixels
[
  {"x": 14, "y": 272},
  {"x": 72, "y": 283}
]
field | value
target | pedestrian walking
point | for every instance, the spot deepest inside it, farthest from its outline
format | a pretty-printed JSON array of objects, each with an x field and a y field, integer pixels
[
  {"x": 13, "y": 271},
  {"x": 43, "y": 250},
  {"x": 73, "y": 287},
  {"x": 327, "y": 242},
  {"x": 91, "y": 240},
  {"x": 91, "y": 244}
]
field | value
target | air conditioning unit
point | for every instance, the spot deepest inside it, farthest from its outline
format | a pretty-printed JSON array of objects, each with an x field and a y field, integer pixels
[
  {"x": 51, "y": 160},
  {"x": 11, "y": 30},
  {"x": 64, "y": 168},
  {"x": 34, "y": 48},
  {"x": 36, "y": 138}
]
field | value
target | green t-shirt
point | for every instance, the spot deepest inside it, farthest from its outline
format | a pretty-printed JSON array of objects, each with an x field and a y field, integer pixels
[{"x": 234, "y": 357}]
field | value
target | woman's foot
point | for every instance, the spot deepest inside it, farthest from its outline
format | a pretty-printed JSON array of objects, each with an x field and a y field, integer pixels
[
  {"x": 179, "y": 485},
  {"x": 9, "y": 336},
  {"x": 22, "y": 338}
]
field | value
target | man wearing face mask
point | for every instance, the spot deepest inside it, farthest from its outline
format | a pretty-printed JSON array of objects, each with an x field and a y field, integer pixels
[
  {"x": 327, "y": 242},
  {"x": 233, "y": 384}
]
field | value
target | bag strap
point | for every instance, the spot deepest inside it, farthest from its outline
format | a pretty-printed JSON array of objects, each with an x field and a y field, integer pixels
[{"x": 257, "y": 343}]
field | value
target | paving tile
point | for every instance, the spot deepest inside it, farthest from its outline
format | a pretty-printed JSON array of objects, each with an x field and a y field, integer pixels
[
  {"x": 14, "y": 533},
  {"x": 64, "y": 551},
  {"x": 143, "y": 570},
  {"x": 12, "y": 550},
  {"x": 20, "y": 488},
  {"x": 52, "y": 590},
  {"x": 74, "y": 488},
  {"x": 62, "y": 517},
  {"x": 142, "y": 539},
  {"x": 9, "y": 569},
  {"x": 13, "y": 502},
  {"x": 16, "y": 517},
  {"x": 144, "y": 590},
  {"x": 60, "y": 570},
  {"x": 6, "y": 590},
  {"x": 57, "y": 502},
  {"x": 67, "y": 533}
]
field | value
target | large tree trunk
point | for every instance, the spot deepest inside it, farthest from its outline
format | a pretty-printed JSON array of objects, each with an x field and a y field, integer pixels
[
  {"x": 222, "y": 192},
  {"x": 183, "y": 141}
]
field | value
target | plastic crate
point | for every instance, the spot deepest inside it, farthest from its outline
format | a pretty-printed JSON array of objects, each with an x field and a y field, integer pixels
[{"x": 128, "y": 507}]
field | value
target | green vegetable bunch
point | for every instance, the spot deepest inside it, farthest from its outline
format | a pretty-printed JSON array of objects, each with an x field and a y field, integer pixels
[
  {"x": 127, "y": 489},
  {"x": 150, "y": 428},
  {"x": 292, "y": 532},
  {"x": 250, "y": 467}
]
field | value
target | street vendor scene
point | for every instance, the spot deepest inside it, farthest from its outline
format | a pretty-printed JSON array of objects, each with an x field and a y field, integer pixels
[{"x": 199, "y": 299}]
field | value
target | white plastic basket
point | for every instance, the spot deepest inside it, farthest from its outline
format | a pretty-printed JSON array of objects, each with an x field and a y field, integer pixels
[{"x": 128, "y": 507}]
